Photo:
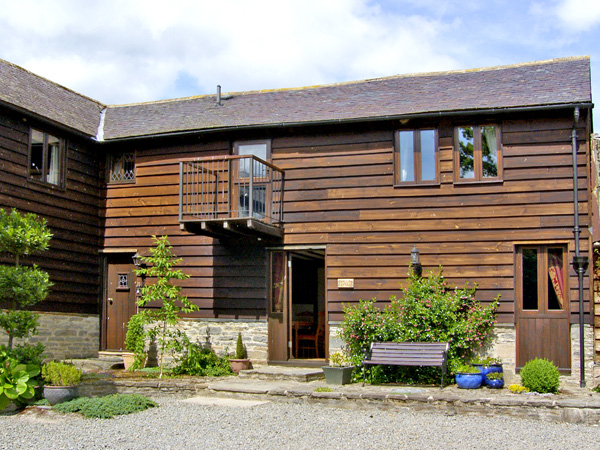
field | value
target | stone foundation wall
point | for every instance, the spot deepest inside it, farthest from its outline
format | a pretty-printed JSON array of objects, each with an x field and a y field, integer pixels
[
  {"x": 65, "y": 335},
  {"x": 221, "y": 335}
]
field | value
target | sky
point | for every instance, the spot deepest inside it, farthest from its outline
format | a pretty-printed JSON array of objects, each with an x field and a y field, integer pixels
[{"x": 128, "y": 51}]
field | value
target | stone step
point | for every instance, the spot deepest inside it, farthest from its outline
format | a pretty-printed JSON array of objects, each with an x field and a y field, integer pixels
[{"x": 300, "y": 374}]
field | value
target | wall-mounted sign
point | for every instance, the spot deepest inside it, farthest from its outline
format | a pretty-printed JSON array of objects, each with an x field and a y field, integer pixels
[{"x": 345, "y": 283}]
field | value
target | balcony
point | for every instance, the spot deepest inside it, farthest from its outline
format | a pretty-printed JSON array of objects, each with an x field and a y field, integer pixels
[{"x": 229, "y": 196}]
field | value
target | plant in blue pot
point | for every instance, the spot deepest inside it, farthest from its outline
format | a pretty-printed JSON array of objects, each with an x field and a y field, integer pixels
[
  {"x": 487, "y": 366},
  {"x": 495, "y": 380},
  {"x": 468, "y": 377}
]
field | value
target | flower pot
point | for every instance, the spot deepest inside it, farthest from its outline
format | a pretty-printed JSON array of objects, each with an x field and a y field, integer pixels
[
  {"x": 488, "y": 368},
  {"x": 129, "y": 359},
  {"x": 468, "y": 380},
  {"x": 495, "y": 384},
  {"x": 239, "y": 364},
  {"x": 59, "y": 394},
  {"x": 338, "y": 375}
]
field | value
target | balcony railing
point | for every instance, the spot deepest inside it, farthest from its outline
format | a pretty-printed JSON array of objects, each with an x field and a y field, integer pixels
[{"x": 226, "y": 190}]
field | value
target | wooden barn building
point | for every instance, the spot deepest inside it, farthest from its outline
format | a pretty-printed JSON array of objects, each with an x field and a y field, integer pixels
[{"x": 287, "y": 204}]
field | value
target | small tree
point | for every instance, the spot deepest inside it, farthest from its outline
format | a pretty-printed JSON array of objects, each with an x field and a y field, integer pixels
[
  {"x": 161, "y": 263},
  {"x": 21, "y": 286}
]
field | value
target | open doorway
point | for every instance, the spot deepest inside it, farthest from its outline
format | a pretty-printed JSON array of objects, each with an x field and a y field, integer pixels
[{"x": 297, "y": 310}]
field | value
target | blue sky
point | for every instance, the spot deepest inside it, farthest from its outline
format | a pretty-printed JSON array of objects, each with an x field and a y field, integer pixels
[{"x": 126, "y": 51}]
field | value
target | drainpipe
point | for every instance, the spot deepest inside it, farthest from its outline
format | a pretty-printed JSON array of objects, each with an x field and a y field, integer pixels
[{"x": 580, "y": 263}]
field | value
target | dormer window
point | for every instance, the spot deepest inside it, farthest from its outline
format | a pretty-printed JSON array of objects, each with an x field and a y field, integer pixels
[{"x": 46, "y": 158}]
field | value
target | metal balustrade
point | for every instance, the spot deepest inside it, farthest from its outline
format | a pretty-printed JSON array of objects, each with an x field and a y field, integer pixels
[{"x": 230, "y": 187}]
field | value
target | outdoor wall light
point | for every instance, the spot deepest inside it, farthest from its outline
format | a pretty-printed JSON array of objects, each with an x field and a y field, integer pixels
[
  {"x": 415, "y": 261},
  {"x": 137, "y": 262}
]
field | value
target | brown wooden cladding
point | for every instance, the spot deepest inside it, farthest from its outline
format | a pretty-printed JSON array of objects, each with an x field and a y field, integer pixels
[
  {"x": 342, "y": 195},
  {"x": 73, "y": 214},
  {"x": 339, "y": 192}
]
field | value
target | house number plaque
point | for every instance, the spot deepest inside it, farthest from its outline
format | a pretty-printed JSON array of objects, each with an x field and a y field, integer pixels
[{"x": 345, "y": 283}]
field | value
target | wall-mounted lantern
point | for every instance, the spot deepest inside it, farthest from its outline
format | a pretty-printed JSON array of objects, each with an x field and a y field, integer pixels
[
  {"x": 137, "y": 262},
  {"x": 415, "y": 261}
]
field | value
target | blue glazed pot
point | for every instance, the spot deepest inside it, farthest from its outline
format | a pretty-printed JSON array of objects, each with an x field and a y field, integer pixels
[
  {"x": 495, "y": 384},
  {"x": 485, "y": 369},
  {"x": 468, "y": 380}
]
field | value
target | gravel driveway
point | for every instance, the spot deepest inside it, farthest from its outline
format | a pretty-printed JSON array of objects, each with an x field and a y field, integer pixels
[{"x": 184, "y": 425}]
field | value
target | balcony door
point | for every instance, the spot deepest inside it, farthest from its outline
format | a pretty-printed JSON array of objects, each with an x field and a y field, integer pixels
[
  {"x": 252, "y": 179},
  {"x": 543, "y": 305}
]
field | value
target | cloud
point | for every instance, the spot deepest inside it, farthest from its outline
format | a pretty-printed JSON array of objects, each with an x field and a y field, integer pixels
[
  {"x": 138, "y": 50},
  {"x": 578, "y": 15}
]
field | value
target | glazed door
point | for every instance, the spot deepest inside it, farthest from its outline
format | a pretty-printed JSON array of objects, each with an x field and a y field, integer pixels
[
  {"x": 119, "y": 301},
  {"x": 543, "y": 305},
  {"x": 278, "y": 314}
]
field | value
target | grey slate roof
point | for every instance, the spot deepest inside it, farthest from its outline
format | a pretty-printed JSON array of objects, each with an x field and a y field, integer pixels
[
  {"x": 27, "y": 91},
  {"x": 554, "y": 82}
]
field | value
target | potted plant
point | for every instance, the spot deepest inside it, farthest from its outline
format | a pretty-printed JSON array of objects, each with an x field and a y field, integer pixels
[
  {"x": 468, "y": 377},
  {"x": 61, "y": 381},
  {"x": 339, "y": 370},
  {"x": 486, "y": 366},
  {"x": 135, "y": 342},
  {"x": 495, "y": 380},
  {"x": 241, "y": 361}
]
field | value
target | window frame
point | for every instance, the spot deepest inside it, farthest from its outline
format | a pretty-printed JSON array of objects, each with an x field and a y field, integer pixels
[
  {"x": 44, "y": 173},
  {"x": 477, "y": 154},
  {"x": 417, "y": 159},
  {"x": 109, "y": 167}
]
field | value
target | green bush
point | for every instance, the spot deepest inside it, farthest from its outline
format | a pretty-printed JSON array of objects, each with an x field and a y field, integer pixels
[
  {"x": 466, "y": 368},
  {"x": 240, "y": 348},
  {"x": 540, "y": 375},
  {"x": 135, "y": 338},
  {"x": 17, "y": 381},
  {"x": 108, "y": 406},
  {"x": 200, "y": 361},
  {"x": 427, "y": 311},
  {"x": 61, "y": 374},
  {"x": 25, "y": 353}
]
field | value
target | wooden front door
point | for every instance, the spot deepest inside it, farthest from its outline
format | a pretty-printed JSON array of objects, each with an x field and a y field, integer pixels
[
  {"x": 120, "y": 300},
  {"x": 278, "y": 314},
  {"x": 542, "y": 314}
]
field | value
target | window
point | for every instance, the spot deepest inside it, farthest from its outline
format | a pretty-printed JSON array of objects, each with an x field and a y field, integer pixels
[
  {"x": 46, "y": 158},
  {"x": 122, "y": 168},
  {"x": 254, "y": 205},
  {"x": 543, "y": 281},
  {"x": 415, "y": 158},
  {"x": 478, "y": 153}
]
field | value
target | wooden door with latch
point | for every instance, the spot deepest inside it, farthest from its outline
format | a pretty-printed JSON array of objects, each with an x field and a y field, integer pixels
[{"x": 120, "y": 300}]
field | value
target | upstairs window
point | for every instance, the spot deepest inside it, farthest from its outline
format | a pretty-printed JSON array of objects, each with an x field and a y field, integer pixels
[
  {"x": 46, "y": 158},
  {"x": 478, "y": 153},
  {"x": 416, "y": 157},
  {"x": 121, "y": 168}
]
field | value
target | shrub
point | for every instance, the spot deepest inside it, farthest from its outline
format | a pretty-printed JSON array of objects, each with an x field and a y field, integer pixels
[
  {"x": 540, "y": 375},
  {"x": 61, "y": 374},
  {"x": 427, "y": 311},
  {"x": 17, "y": 381},
  {"x": 25, "y": 353},
  {"x": 240, "y": 349},
  {"x": 200, "y": 361},
  {"x": 135, "y": 338},
  {"x": 108, "y": 406},
  {"x": 466, "y": 368},
  {"x": 495, "y": 376}
]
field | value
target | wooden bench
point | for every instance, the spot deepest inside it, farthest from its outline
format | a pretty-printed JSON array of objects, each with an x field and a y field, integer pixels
[{"x": 434, "y": 354}]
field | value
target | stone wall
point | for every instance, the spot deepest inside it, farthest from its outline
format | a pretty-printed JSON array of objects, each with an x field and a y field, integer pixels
[
  {"x": 221, "y": 335},
  {"x": 66, "y": 335}
]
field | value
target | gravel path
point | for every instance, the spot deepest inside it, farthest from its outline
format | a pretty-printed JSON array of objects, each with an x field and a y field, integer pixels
[{"x": 179, "y": 425}]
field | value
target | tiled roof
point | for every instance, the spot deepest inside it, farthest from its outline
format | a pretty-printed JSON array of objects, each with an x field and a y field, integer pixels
[
  {"x": 27, "y": 91},
  {"x": 553, "y": 82}
]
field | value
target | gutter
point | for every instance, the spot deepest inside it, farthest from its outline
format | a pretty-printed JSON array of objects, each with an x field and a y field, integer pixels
[{"x": 488, "y": 111}]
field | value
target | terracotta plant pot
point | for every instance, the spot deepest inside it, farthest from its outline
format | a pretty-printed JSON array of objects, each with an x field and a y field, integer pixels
[
  {"x": 59, "y": 394},
  {"x": 129, "y": 358},
  {"x": 239, "y": 364}
]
